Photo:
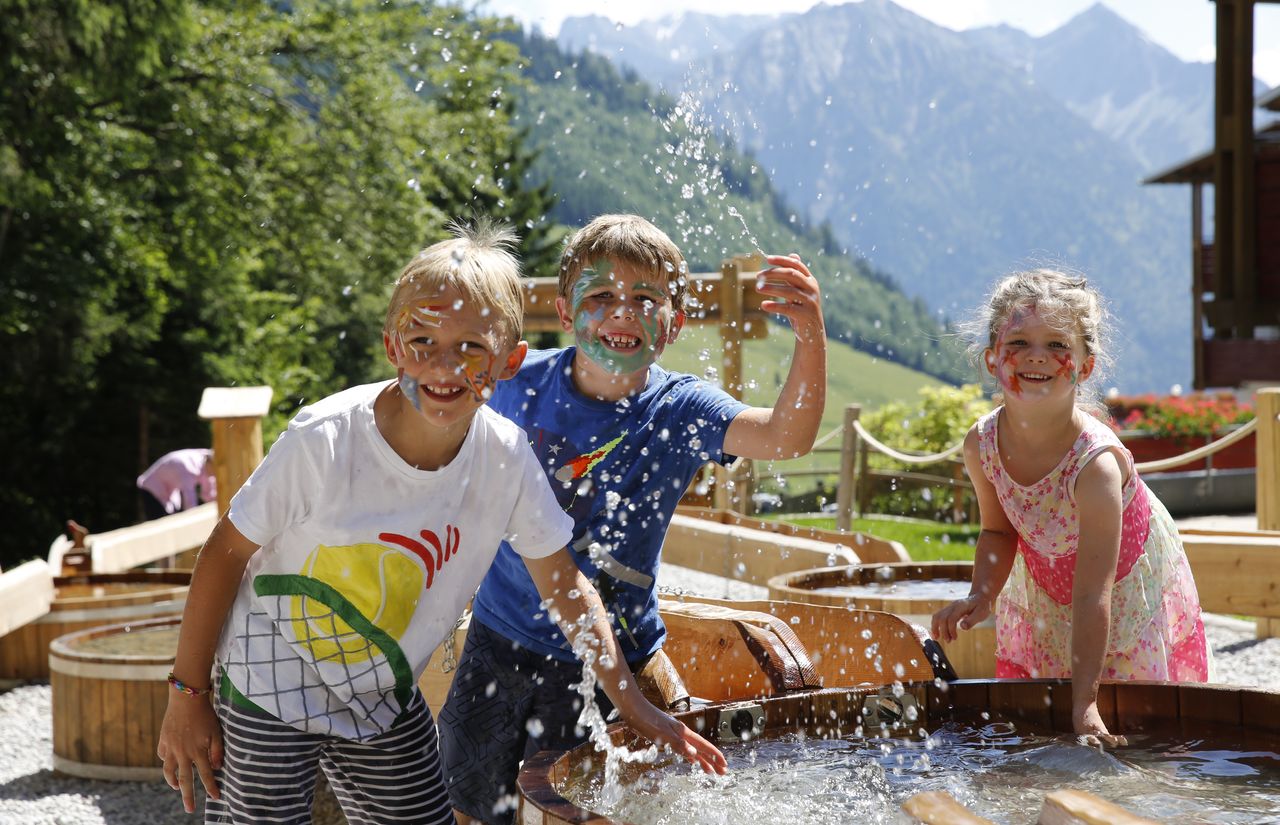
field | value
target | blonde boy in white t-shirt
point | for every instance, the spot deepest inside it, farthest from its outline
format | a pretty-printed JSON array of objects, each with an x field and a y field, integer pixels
[{"x": 349, "y": 553}]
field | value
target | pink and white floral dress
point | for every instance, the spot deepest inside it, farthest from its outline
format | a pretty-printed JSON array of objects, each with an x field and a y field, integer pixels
[{"x": 1156, "y": 629}]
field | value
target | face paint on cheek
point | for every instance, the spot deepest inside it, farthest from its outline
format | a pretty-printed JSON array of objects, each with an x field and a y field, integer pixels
[
  {"x": 1066, "y": 367},
  {"x": 1007, "y": 372},
  {"x": 409, "y": 388},
  {"x": 478, "y": 372}
]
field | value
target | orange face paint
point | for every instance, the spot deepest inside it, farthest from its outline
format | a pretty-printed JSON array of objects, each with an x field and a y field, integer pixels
[
  {"x": 478, "y": 372},
  {"x": 1066, "y": 367}
]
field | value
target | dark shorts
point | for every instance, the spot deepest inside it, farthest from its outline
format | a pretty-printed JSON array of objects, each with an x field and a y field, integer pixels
[{"x": 506, "y": 704}]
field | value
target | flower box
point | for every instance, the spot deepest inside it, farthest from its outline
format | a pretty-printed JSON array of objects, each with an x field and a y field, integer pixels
[{"x": 1147, "y": 446}]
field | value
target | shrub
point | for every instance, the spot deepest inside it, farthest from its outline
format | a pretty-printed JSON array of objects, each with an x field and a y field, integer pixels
[{"x": 938, "y": 420}]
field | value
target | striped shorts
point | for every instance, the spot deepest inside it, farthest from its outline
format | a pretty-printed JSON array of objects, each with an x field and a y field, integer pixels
[{"x": 269, "y": 769}]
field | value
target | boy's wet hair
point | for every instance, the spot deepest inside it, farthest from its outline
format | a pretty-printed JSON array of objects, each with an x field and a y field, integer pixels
[
  {"x": 480, "y": 263},
  {"x": 628, "y": 239}
]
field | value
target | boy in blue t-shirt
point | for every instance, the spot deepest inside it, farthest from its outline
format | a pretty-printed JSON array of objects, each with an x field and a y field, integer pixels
[{"x": 620, "y": 439}]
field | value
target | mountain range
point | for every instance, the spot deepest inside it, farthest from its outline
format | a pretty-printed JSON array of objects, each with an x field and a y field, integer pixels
[{"x": 949, "y": 158}]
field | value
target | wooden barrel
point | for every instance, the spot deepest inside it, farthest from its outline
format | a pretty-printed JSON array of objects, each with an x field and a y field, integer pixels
[
  {"x": 93, "y": 600},
  {"x": 110, "y": 689},
  {"x": 912, "y": 590}
]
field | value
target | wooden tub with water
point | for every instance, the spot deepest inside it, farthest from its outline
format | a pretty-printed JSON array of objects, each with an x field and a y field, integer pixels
[
  {"x": 912, "y": 590},
  {"x": 110, "y": 689},
  {"x": 1220, "y": 744}
]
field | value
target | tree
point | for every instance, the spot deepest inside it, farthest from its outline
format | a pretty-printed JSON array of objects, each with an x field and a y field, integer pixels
[{"x": 215, "y": 193}]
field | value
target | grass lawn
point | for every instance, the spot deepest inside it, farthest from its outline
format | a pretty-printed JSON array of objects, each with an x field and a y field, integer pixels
[{"x": 924, "y": 540}]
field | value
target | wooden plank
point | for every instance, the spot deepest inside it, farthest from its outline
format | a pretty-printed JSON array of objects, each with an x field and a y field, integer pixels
[
  {"x": 234, "y": 402},
  {"x": 941, "y": 808},
  {"x": 1236, "y": 574},
  {"x": 26, "y": 592},
  {"x": 116, "y": 706},
  {"x": 1075, "y": 807},
  {"x": 137, "y": 724},
  {"x": 1142, "y": 704},
  {"x": 89, "y": 722},
  {"x": 128, "y": 547},
  {"x": 745, "y": 554}
]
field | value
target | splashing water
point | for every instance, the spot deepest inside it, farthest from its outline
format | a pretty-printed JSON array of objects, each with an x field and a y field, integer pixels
[
  {"x": 993, "y": 767},
  {"x": 588, "y": 649},
  {"x": 734, "y": 213}
]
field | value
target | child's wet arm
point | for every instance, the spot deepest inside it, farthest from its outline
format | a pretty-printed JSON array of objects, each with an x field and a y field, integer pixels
[
  {"x": 1099, "y": 504},
  {"x": 789, "y": 428},
  {"x": 576, "y": 608},
  {"x": 214, "y": 582}
]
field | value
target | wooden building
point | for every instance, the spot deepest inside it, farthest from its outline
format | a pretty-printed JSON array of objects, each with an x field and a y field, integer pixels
[{"x": 1235, "y": 270}]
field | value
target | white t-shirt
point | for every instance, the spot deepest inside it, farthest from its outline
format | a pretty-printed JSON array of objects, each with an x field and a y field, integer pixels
[{"x": 366, "y": 562}]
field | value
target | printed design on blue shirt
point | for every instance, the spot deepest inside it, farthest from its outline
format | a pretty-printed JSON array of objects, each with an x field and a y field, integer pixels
[{"x": 570, "y": 469}]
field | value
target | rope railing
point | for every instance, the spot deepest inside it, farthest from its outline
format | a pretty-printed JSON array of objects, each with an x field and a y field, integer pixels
[
  {"x": 1143, "y": 467},
  {"x": 1199, "y": 452},
  {"x": 824, "y": 439},
  {"x": 905, "y": 458}
]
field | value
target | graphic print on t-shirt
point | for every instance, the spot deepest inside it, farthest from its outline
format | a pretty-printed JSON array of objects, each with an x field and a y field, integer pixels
[{"x": 347, "y": 609}]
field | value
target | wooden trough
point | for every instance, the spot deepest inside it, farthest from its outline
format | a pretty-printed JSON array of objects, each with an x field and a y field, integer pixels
[
  {"x": 110, "y": 689},
  {"x": 1042, "y": 705},
  {"x": 889, "y": 588},
  {"x": 81, "y": 602}
]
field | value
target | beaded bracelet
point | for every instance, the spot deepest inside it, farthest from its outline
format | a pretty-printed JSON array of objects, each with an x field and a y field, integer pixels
[{"x": 183, "y": 687}]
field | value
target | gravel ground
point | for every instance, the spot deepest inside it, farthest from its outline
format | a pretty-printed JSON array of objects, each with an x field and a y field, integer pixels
[{"x": 32, "y": 794}]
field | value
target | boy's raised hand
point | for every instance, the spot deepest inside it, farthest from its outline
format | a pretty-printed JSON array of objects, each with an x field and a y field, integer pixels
[{"x": 793, "y": 292}]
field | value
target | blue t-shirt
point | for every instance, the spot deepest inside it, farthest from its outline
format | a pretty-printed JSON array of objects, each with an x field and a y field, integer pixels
[{"x": 618, "y": 469}]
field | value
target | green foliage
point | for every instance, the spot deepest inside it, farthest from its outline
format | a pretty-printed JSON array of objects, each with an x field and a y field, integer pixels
[
  {"x": 610, "y": 143},
  {"x": 937, "y": 421},
  {"x": 923, "y": 540},
  {"x": 219, "y": 193}
]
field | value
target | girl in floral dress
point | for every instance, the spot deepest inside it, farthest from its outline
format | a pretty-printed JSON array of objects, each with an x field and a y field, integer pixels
[{"x": 1092, "y": 578}]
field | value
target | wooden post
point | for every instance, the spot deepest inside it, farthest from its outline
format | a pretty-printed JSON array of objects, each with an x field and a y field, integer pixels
[
  {"x": 864, "y": 477},
  {"x": 848, "y": 467},
  {"x": 1266, "y": 405},
  {"x": 235, "y": 415},
  {"x": 1197, "y": 285},
  {"x": 730, "y": 365},
  {"x": 731, "y": 328},
  {"x": 1234, "y": 214}
]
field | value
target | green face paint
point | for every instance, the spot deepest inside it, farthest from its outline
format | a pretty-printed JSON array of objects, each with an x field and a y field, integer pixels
[{"x": 597, "y": 295}]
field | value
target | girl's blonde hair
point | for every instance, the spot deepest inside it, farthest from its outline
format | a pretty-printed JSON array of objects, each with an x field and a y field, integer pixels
[
  {"x": 1062, "y": 299},
  {"x": 480, "y": 263}
]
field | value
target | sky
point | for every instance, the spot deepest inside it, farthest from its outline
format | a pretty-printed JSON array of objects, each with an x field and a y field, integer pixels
[{"x": 1184, "y": 27}]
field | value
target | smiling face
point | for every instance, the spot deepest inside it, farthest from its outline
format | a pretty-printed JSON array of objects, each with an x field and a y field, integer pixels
[
  {"x": 448, "y": 354},
  {"x": 1035, "y": 358},
  {"x": 621, "y": 316}
]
